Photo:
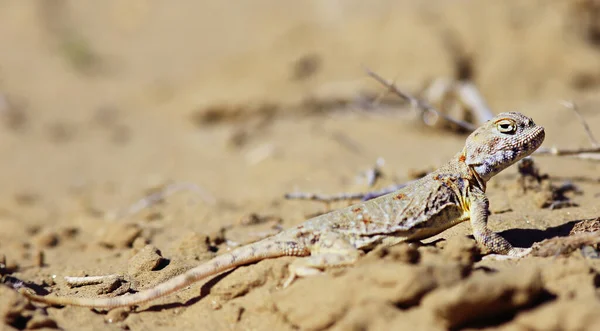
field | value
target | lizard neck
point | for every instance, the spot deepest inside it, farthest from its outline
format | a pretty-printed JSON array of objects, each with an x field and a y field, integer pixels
[
  {"x": 481, "y": 183},
  {"x": 458, "y": 164}
]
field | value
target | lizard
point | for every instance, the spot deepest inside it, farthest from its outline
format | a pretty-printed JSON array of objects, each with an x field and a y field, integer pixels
[{"x": 452, "y": 194}]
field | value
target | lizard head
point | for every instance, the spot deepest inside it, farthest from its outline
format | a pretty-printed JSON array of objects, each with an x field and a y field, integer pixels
[{"x": 500, "y": 142}]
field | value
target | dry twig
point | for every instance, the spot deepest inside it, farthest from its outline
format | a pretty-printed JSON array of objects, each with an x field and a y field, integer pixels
[
  {"x": 571, "y": 105},
  {"x": 475, "y": 101},
  {"x": 585, "y": 153},
  {"x": 156, "y": 197},
  {"x": 418, "y": 104},
  {"x": 374, "y": 173},
  {"x": 324, "y": 197},
  {"x": 344, "y": 195},
  {"x": 471, "y": 97}
]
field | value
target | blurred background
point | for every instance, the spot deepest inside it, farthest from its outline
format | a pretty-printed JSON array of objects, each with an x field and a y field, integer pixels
[
  {"x": 99, "y": 90},
  {"x": 105, "y": 102},
  {"x": 127, "y": 91}
]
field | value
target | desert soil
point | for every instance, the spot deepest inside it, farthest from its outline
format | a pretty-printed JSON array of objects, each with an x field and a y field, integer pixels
[{"x": 103, "y": 103}]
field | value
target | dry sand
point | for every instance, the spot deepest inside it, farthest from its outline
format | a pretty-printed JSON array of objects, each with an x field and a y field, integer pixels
[{"x": 103, "y": 103}]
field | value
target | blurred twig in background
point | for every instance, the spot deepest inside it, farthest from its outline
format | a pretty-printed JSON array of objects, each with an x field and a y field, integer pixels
[
  {"x": 585, "y": 153},
  {"x": 473, "y": 101}
]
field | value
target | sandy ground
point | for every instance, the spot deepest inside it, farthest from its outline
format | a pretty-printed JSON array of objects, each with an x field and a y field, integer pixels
[{"x": 103, "y": 103}]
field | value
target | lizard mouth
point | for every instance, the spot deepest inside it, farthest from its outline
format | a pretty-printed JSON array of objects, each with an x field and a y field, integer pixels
[{"x": 535, "y": 139}]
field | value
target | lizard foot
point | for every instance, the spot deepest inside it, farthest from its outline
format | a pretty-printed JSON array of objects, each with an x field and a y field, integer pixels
[
  {"x": 513, "y": 254},
  {"x": 300, "y": 271},
  {"x": 314, "y": 265}
]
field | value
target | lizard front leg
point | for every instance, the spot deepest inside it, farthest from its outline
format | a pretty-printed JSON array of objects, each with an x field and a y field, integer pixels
[
  {"x": 486, "y": 237},
  {"x": 331, "y": 250}
]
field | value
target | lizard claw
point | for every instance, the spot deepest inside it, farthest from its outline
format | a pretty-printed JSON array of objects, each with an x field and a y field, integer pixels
[{"x": 289, "y": 280}]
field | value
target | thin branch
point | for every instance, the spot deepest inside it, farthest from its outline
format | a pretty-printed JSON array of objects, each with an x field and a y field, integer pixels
[
  {"x": 347, "y": 142},
  {"x": 584, "y": 153},
  {"x": 416, "y": 103},
  {"x": 471, "y": 97},
  {"x": 344, "y": 196},
  {"x": 324, "y": 197},
  {"x": 382, "y": 95},
  {"x": 156, "y": 197},
  {"x": 573, "y": 106},
  {"x": 374, "y": 173},
  {"x": 384, "y": 191}
]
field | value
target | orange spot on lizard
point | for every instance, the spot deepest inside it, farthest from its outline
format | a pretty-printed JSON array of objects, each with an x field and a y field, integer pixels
[{"x": 400, "y": 196}]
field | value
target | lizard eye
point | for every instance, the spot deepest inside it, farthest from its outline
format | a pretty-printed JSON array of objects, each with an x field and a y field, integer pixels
[{"x": 506, "y": 126}]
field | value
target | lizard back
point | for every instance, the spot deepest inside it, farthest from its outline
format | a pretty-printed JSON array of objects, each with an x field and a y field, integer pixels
[{"x": 419, "y": 210}]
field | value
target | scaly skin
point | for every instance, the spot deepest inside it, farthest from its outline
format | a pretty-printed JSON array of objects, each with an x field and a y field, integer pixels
[{"x": 452, "y": 194}]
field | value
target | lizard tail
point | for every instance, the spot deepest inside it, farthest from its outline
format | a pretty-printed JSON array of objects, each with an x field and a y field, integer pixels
[{"x": 258, "y": 251}]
